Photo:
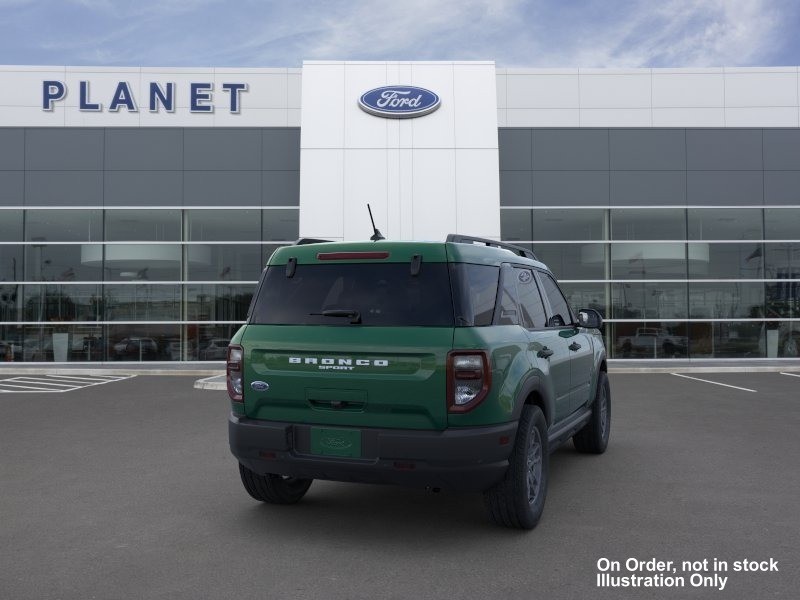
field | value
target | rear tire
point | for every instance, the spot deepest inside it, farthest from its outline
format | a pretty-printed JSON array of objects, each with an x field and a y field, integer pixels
[
  {"x": 273, "y": 489},
  {"x": 593, "y": 438},
  {"x": 518, "y": 500}
]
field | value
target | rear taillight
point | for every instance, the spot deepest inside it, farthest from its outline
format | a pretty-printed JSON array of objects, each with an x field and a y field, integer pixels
[
  {"x": 468, "y": 379},
  {"x": 234, "y": 372}
]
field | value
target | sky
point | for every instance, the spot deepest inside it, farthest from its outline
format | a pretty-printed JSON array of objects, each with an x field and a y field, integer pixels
[{"x": 513, "y": 33}]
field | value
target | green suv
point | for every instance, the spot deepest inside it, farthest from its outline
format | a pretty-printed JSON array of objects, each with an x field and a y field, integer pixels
[{"x": 455, "y": 365}]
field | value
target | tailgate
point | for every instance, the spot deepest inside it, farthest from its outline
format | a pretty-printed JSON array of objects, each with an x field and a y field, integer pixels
[{"x": 355, "y": 376}]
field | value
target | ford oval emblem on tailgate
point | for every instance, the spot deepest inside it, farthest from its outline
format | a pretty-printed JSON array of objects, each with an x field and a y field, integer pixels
[
  {"x": 260, "y": 386},
  {"x": 399, "y": 101}
]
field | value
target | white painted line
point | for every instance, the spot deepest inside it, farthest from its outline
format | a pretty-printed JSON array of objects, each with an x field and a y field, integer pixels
[
  {"x": 790, "y": 374},
  {"x": 32, "y": 381},
  {"x": 736, "y": 387},
  {"x": 32, "y": 388},
  {"x": 76, "y": 379}
]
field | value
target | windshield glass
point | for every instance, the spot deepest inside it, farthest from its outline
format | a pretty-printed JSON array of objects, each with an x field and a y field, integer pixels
[{"x": 356, "y": 294}]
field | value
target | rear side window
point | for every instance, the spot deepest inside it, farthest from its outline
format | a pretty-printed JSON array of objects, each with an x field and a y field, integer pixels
[
  {"x": 474, "y": 293},
  {"x": 384, "y": 294},
  {"x": 530, "y": 301},
  {"x": 507, "y": 300},
  {"x": 561, "y": 313}
]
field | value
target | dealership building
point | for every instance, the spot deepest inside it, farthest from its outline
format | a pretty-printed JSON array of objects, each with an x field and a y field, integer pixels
[{"x": 138, "y": 206}]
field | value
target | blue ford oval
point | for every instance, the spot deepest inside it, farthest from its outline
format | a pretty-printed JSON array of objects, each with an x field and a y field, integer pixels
[{"x": 399, "y": 101}]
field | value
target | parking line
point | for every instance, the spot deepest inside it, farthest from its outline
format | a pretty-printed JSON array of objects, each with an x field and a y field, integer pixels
[
  {"x": 31, "y": 388},
  {"x": 56, "y": 383},
  {"x": 790, "y": 374},
  {"x": 736, "y": 387}
]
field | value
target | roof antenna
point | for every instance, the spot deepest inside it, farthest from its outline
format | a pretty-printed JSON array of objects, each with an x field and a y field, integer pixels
[{"x": 377, "y": 235}]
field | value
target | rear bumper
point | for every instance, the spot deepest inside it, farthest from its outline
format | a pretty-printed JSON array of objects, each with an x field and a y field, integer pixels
[{"x": 463, "y": 459}]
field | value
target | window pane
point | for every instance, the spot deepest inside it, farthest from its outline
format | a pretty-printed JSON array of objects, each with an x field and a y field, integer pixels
[
  {"x": 649, "y": 261},
  {"x": 728, "y": 340},
  {"x": 63, "y": 303},
  {"x": 587, "y": 295},
  {"x": 11, "y": 337},
  {"x": 142, "y": 302},
  {"x": 208, "y": 342},
  {"x": 143, "y": 342},
  {"x": 143, "y": 225},
  {"x": 726, "y": 261},
  {"x": 782, "y": 223},
  {"x": 530, "y": 300},
  {"x": 382, "y": 295},
  {"x": 11, "y": 225},
  {"x": 579, "y": 224},
  {"x": 281, "y": 225},
  {"x": 726, "y": 300},
  {"x": 652, "y": 339},
  {"x": 649, "y": 300},
  {"x": 63, "y": 226},
  {"x": 11, "y": 263},
  {"x": 142, "y": 262},
  {"x": 474, "y": 293},
  {"x": 509, "y": 309},
  {"x": 224, "y": 225},
  {"x": 561, "y": 314},
  {"x": 725, "y": 224},
  {"x": 234, "y": 262},
  {"x": 10, "y": 305},
  {"x": 648, "y": 224},
  {"x": 218, "y": 302},
  {"x": 62, "y": 343},
  {"x": 516, "y": 225},
  {"x": 783, "y": 263},
  {"x": 53, "y": 262},
  {"x": 574, "y": 261}
]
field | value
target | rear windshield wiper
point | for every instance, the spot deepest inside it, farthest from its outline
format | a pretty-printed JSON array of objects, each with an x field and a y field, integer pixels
[{"x": 353, "y": 315}]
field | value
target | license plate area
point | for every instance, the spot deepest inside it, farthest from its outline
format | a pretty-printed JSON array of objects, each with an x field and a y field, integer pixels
[{"x": 326, "y": 441}]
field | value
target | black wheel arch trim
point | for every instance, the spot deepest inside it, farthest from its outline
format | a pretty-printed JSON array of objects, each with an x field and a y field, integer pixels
[{"x": 534, "y": 385}]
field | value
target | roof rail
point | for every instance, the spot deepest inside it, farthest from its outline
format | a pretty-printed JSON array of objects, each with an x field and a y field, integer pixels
[
  {"x": 467, "y": 239},
  {"x": 304, "y": 241}
]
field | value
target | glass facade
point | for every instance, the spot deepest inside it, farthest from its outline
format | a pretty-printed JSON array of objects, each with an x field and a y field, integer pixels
[
  {"x": 138, "y": 244},
  {"x": 686, "y": 240}
]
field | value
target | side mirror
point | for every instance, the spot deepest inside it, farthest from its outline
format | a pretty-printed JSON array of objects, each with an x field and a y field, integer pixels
[{"x": 589, "y": 318}]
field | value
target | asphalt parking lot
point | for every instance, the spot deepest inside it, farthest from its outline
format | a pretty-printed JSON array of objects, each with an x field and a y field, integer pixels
[{"x": 128, "y": 490}]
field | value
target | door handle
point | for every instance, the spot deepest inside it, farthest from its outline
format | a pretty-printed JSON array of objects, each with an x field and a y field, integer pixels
[
  {"x": 545, "y": 352},
  {"x": 574, "y": 346}
]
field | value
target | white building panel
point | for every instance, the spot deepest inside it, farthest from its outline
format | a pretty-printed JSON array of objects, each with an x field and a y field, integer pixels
[
  {"x": 689, "y": 117},
  {"x": 615, "y": 89},
  {"x": 24, "y": 88},
  {"x": 688, "y": 90},
  {"x": 434, "y": 207},
  {"x": 271, "y": 91},
  {"x": 472, "y": 188},
  {"x": 543, "y": 90},
  {"x": 760, "y": 88},
  {"x": 360, "y": 129},
  {"x": 365, "y": 181},
  {"x": 323, "y": 102},
  {"x": 322, "y": 213},
  {"x": 472, "y": 85},
  {"x": 543, "y": 117},
  {"x": 616, "y": 117},
  {"x": 436, "y": 130},
  {"x": 780, "y": 116}
]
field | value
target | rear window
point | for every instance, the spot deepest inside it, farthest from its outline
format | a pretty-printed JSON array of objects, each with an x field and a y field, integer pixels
[
  {"x": 383, "y": 294},
  {"x": 475, "y": 293}
]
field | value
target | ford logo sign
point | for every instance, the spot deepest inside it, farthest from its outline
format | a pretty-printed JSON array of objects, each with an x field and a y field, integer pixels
[
  {"x": 399, "y": 101},
  {"x": 259, "y": 386}
]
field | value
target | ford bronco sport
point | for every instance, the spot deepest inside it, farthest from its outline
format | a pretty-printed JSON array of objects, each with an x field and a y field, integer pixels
[{"x": 455, "y": 365}]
